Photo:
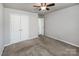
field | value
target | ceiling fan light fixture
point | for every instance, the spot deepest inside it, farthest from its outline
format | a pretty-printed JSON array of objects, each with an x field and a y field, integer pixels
[{"x": 43, "y": 8}]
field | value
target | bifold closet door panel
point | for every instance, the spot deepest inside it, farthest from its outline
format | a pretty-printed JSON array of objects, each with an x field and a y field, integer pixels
[
  {"x": 41, "y": 26},
  {"x": 24, "y": 27},
  {"x": 14, "y": 28},
  {"x": 19, "y": 27}
]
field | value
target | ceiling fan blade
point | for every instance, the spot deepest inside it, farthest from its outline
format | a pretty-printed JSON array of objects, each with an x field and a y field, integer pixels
[
  {"x": 41, "y": 4},
  {"x": 52, "y": 4},
  {"x": 36, "y": 6},
  {"x": 47, "y": 9},
  {"x": 39, "y": 9}
]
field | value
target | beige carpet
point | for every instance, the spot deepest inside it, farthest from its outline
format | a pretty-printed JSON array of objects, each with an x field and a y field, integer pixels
[{"x": 43, "y": 46}]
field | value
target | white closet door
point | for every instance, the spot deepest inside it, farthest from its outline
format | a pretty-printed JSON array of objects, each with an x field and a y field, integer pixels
[
  {"x": 41, "y": 26},
  {"x": 24, "y": 27},
  {"x": 14, "y": 28}
]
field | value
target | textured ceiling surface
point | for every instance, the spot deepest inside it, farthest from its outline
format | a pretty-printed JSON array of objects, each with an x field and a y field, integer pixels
[{"x": 29, "y": 7}]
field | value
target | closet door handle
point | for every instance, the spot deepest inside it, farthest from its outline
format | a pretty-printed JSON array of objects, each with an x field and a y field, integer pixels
[{"x": 20, "y": 29}]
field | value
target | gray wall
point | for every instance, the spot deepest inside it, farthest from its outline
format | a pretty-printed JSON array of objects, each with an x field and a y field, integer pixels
[
  {"x": 1, "y": 29},
  {"x": 63, "y": 25}
]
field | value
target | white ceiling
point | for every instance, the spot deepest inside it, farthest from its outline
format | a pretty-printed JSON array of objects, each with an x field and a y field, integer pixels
[{"x": 29, "y": 7}]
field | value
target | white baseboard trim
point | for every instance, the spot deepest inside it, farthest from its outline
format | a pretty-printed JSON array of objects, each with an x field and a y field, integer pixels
[
  {"x": 1, "y": 51},
  {"x": 63, "y": 41},
  {"x": 20, "y": 41}
]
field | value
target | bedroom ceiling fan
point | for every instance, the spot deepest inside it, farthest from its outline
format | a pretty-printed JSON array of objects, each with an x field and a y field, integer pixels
[{"x": 44, "y": 6}]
